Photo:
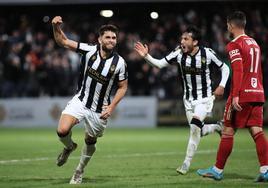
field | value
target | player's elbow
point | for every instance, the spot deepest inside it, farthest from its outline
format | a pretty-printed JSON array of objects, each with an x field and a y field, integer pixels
[
  {"x": 62, "y": 42},
  {"x": 59, "y": 42},
  {"x": 160, "y": 66},
  {"x": 237, "y": 67},
  {"x": 123, "y": 85},
  {"x": 225, "y": 70}
]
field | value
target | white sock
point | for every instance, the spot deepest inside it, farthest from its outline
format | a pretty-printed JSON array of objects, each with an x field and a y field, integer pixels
[
  {"x": 263, "y": 169},
  {"x": 217, "y": 169},
  {"x": 194, "y": 139},
  {"x": 86, "y": 154},
  {"x": 67, "y": 140},
  {"x": 210, "y": 128}
]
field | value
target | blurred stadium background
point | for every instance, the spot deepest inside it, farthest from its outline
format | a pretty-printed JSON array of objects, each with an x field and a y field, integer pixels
[
  {"x": 37, "y": 78},
  {"x": 33, "y": 69}
]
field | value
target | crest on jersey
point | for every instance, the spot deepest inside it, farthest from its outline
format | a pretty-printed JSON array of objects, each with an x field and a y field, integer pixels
[
  {"x": 112, "y": 68},
  {"x": 203, "y": 60},
  {"x": 93, "y": 58},
  {"x": 254, "y": 82}
]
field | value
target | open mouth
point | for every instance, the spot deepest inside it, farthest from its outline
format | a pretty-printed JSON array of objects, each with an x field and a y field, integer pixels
[{"x": 183, "y": 47}]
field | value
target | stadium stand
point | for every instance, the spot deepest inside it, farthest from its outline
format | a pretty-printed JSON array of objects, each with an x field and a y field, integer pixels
[{"x": 32, "y": 65}]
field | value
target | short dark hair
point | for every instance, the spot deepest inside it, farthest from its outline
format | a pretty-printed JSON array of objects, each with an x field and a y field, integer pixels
[
  {"x": 108, "y": 27},
  {"x": 196, "y": 33},
  {"x": 238, "y": 18}
]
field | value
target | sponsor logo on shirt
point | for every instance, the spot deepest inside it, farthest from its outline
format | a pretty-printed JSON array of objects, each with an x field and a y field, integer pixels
[
  {"x": 254, "y": 82},
  {"x": 192, "y": 70},
  {"x": 234, "y": 53},
  {"x": 94, "y": 74}
]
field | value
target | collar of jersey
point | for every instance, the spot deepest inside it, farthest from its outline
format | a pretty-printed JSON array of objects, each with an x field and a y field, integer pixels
[
  {"x": 111, "y": 55},
  {"x": 195, "y": 53},
  {"x": 238, "y": 37}
]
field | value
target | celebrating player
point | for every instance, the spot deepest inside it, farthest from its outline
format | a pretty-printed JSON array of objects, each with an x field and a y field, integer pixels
[
  {"x": 101, "y": 67},
  {"x": 194, "y": 61}
]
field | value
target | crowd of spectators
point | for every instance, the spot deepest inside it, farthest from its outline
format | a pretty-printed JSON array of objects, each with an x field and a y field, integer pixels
[{"x": 32, "y": 65}]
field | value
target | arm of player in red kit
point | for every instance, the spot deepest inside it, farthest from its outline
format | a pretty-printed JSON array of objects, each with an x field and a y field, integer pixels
[{"x": 237, "y": 77}]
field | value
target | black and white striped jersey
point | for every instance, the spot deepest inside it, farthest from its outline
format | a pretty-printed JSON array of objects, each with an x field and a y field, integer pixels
[
  {"x": 195, "y": 71},
  {"x": 98, "y": 75}
]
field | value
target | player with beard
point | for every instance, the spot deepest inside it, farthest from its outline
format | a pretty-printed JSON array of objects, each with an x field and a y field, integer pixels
[
  {"x": 194, "y": 63},
  {"x": 101, "y": 68},
  {"x": 244, "y": 108}
]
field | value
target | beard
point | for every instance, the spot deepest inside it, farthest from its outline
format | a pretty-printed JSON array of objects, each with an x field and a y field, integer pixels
[
  {"x": 107, "y": 50},
  {"x": 188, "y": 49}
]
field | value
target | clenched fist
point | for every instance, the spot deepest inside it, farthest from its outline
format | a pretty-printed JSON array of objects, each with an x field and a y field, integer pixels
[{"x": 57, "y": 20}]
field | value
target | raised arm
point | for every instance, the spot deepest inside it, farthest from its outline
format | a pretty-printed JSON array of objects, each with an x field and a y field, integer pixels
[
  {"x": 142, "y": 50},
  {"x": 59, "y": 35}
]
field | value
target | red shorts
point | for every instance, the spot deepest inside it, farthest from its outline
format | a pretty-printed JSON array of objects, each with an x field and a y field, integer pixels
[{"x": 250, "y": 115}]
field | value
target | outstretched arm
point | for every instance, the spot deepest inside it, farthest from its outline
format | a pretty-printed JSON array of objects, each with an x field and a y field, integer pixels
[
  {"x": 142, "y": 50},
  {"x": 59, "y": 35}
]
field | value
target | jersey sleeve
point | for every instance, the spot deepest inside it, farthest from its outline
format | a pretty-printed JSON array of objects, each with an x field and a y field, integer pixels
[
  {"x": 83, "y": 48},
  {"x": 172, "y": 56},
  {"x": 123, "y": 72},
  {"x": 234, "y": 52},
  {"x": 160, "y": 63},
  {"x": 214, "y": 57},
  {"x": 221, "y": 65},
  {"x": 235, "y": 57}
]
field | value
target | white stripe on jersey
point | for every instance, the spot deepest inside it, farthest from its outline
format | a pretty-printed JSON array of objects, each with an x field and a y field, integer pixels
[
  {"x": 96, "y": 74},
  {"x": 99, "y": 85},
  {"x": 211, "y": 57},
  {"x": 236, "y": 59}
]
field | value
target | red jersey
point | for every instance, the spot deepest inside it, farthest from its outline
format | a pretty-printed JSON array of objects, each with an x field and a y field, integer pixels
[{"x": 245, "y": 58}]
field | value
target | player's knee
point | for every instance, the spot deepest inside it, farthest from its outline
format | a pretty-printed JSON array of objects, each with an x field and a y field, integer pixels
[
  {"x": 62, "y": 132},
  {"x": 63, "y": 129},
  {"x": 90, "y": 145},
  {"x": 196, "y": 123},
  {"x": 196, "y": 127},
  {"x": 228, "y": 132},
  {"x": 90, "y": 140},
  {"x": 255, "y": 131}
]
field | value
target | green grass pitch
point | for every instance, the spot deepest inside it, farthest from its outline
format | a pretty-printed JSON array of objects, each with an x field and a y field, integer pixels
[{"x": 124, "y": 158}]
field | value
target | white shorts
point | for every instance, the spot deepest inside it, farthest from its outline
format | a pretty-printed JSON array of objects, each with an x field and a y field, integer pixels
[
  {"x": 94, "y": 126},
  {"x": 200, "y": 108}
]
